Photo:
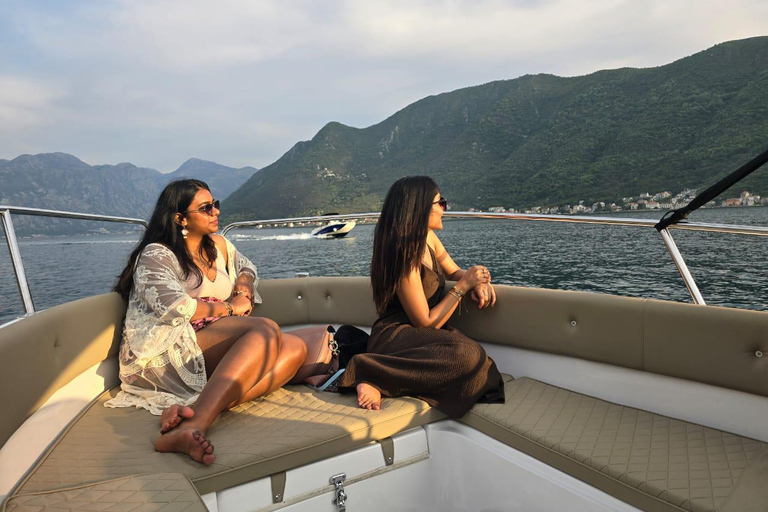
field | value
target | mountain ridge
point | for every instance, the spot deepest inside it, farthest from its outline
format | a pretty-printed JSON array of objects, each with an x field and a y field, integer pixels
[
  {"x": 537, "y": 139},
  {"x": 61, "y": 181}
]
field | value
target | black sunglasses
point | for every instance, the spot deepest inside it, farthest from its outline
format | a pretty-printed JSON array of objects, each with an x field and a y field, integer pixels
[
  {"x": 443, "y": 202},
  {"x": 207, "y": 209}
]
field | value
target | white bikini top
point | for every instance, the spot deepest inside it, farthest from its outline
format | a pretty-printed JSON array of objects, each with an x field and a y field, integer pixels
[{"x": 221, "y": 287}]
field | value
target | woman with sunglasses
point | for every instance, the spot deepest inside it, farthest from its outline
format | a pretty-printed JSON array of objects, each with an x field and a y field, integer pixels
[
  {"x": 411, "y": 351},
  {"x": 187, "y": 337}
]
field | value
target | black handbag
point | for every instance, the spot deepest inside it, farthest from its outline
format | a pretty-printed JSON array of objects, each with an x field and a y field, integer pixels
[{"x": 351, "y": 341}]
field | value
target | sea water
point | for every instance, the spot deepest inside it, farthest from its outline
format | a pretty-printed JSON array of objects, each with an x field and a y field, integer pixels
[{"x": 730, "y": 270}]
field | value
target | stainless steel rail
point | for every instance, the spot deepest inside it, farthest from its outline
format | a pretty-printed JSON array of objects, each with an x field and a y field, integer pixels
[
  {"x": 583, "y": 219},
  {"x": 21, "y": 279},
  {"x": 13, "y": 244}
]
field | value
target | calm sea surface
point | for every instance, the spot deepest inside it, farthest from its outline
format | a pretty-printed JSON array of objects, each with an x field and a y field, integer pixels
[{"x": 731, "y": 270}]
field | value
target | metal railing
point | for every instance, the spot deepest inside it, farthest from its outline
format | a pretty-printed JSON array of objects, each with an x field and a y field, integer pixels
[
  {"x": 21, "y": 279},
  {"x": 13, "y": 244},
  {"x": 666, "y": 236}
]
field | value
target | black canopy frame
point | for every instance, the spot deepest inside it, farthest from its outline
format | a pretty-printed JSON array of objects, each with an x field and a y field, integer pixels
[{"x": 675, "y": 216}]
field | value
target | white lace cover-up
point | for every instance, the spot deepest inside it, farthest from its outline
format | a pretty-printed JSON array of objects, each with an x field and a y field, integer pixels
[{"x": 160, "y": 361}]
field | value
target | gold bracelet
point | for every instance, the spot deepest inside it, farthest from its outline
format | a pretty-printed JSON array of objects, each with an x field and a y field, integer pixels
[
  {"x": 230, "y": 311},
  {"x": 456, "y": 294}
]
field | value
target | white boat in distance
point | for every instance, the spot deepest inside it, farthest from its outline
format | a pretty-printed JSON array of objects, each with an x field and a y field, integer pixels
[{"x": 334, "y": 229}]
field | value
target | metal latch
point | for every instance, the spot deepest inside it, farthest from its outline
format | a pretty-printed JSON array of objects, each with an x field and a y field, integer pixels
[{"x": 339, "y": 496}]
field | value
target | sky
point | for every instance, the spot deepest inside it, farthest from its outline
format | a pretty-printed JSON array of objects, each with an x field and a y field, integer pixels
[{"x": 239, "y": 82}]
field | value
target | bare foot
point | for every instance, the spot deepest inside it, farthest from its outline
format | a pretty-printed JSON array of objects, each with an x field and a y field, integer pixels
[
  {"x": 173, "y": 415},
  {"x": 368, "y": 397},
  {"x": 187, "y": 440}
]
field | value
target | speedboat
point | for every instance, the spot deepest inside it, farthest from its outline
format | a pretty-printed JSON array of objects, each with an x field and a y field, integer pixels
[
  {"x": 337, "y": 228},
  {"x": 612, "y": 404}
]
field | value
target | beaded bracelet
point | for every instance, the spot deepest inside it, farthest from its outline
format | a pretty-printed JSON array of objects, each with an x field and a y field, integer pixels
[{"x": 230, "y": 311}]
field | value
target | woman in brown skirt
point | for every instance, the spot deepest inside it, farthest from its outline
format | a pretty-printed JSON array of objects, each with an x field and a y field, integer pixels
[{"x": 410, "y": 351}]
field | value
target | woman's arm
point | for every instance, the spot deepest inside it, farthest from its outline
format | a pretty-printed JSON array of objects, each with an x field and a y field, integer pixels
[
  {"x": 240, "y": 304},
  {"x": 451, "y": 270},
  {"x": 484, "y": 293},
  {"x": 411, "y": 294},
  {"x": 244, "y": 272}
]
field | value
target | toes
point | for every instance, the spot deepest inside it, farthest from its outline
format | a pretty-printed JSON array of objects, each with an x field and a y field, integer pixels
[
  {"x": 170, "y": 424},
  {"x": 205, "y": 443},
  {"x": 376, "y": 407}
]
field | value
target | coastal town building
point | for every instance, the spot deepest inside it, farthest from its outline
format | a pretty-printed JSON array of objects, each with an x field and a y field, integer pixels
[{"x": 646, "y": 201}]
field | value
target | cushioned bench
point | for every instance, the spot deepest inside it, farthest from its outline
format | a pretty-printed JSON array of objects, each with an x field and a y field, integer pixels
[
  {"x": 289, "y": 428},
  {"x": 163, "y": 492},
  {"x": 650, "y": 461},
  {"x": 685, "y": 466}
]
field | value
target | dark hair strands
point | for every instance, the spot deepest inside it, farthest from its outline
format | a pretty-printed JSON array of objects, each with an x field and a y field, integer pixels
[
  {"x": 400, "y": 236},
  {"x": 175, "y": 198}
]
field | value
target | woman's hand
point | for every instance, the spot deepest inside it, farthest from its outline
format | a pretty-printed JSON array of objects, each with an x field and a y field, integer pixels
[
  {"x": 242, "y": 290},
  {"x": 244, "y": 286},
  {"x": 484, "y": 295},
  {"x": 241, "y": 305},
  {"x": 474, "y": 276}
]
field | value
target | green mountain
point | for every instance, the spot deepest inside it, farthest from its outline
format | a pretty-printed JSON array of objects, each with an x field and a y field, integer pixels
[
  {"x": 58, "y": 181},
  {"x": 539, "y": 140}
]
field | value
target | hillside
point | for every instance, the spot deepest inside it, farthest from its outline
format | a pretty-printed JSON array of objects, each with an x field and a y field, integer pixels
[
  {"x": 538, "y": 140},
  {"x": 58, "y": 181}
]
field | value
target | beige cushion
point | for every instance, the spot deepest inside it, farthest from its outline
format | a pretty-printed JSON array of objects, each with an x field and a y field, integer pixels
[
  {"x": 601, "y": 328},
  {"x": 163, "y": 492},
  {"x": 289, "y": 428},
  {"x": 42, "y": 353},
  {"x": 317, "y": 300},
  {"x": 647, "y": 460}
]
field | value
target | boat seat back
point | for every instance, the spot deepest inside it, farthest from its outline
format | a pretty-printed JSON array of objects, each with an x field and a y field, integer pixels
[
  {"x": 45, "y": 352},
  {"x": 713, "y": 345}
]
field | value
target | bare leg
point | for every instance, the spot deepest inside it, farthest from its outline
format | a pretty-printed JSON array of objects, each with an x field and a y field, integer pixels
[
  {"x": 368, "y": 397},
  {"x": 292, "y": 353},
  {"x": 239, "y": 352}
]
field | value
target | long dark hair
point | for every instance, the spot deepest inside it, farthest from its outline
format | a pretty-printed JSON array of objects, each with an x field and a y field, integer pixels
[
  {"x": 175, "y": 198},
  {"x": 401, "y": 235}
]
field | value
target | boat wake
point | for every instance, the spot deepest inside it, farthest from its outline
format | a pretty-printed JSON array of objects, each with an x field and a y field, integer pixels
[{"x": 259, "y": 238}]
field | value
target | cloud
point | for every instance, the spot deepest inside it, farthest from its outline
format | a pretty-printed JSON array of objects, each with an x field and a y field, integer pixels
[
  {"x": 462, "y": 31},
  {"x": 25, "y": 103},
  {"x": 240, "y": 81}
]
